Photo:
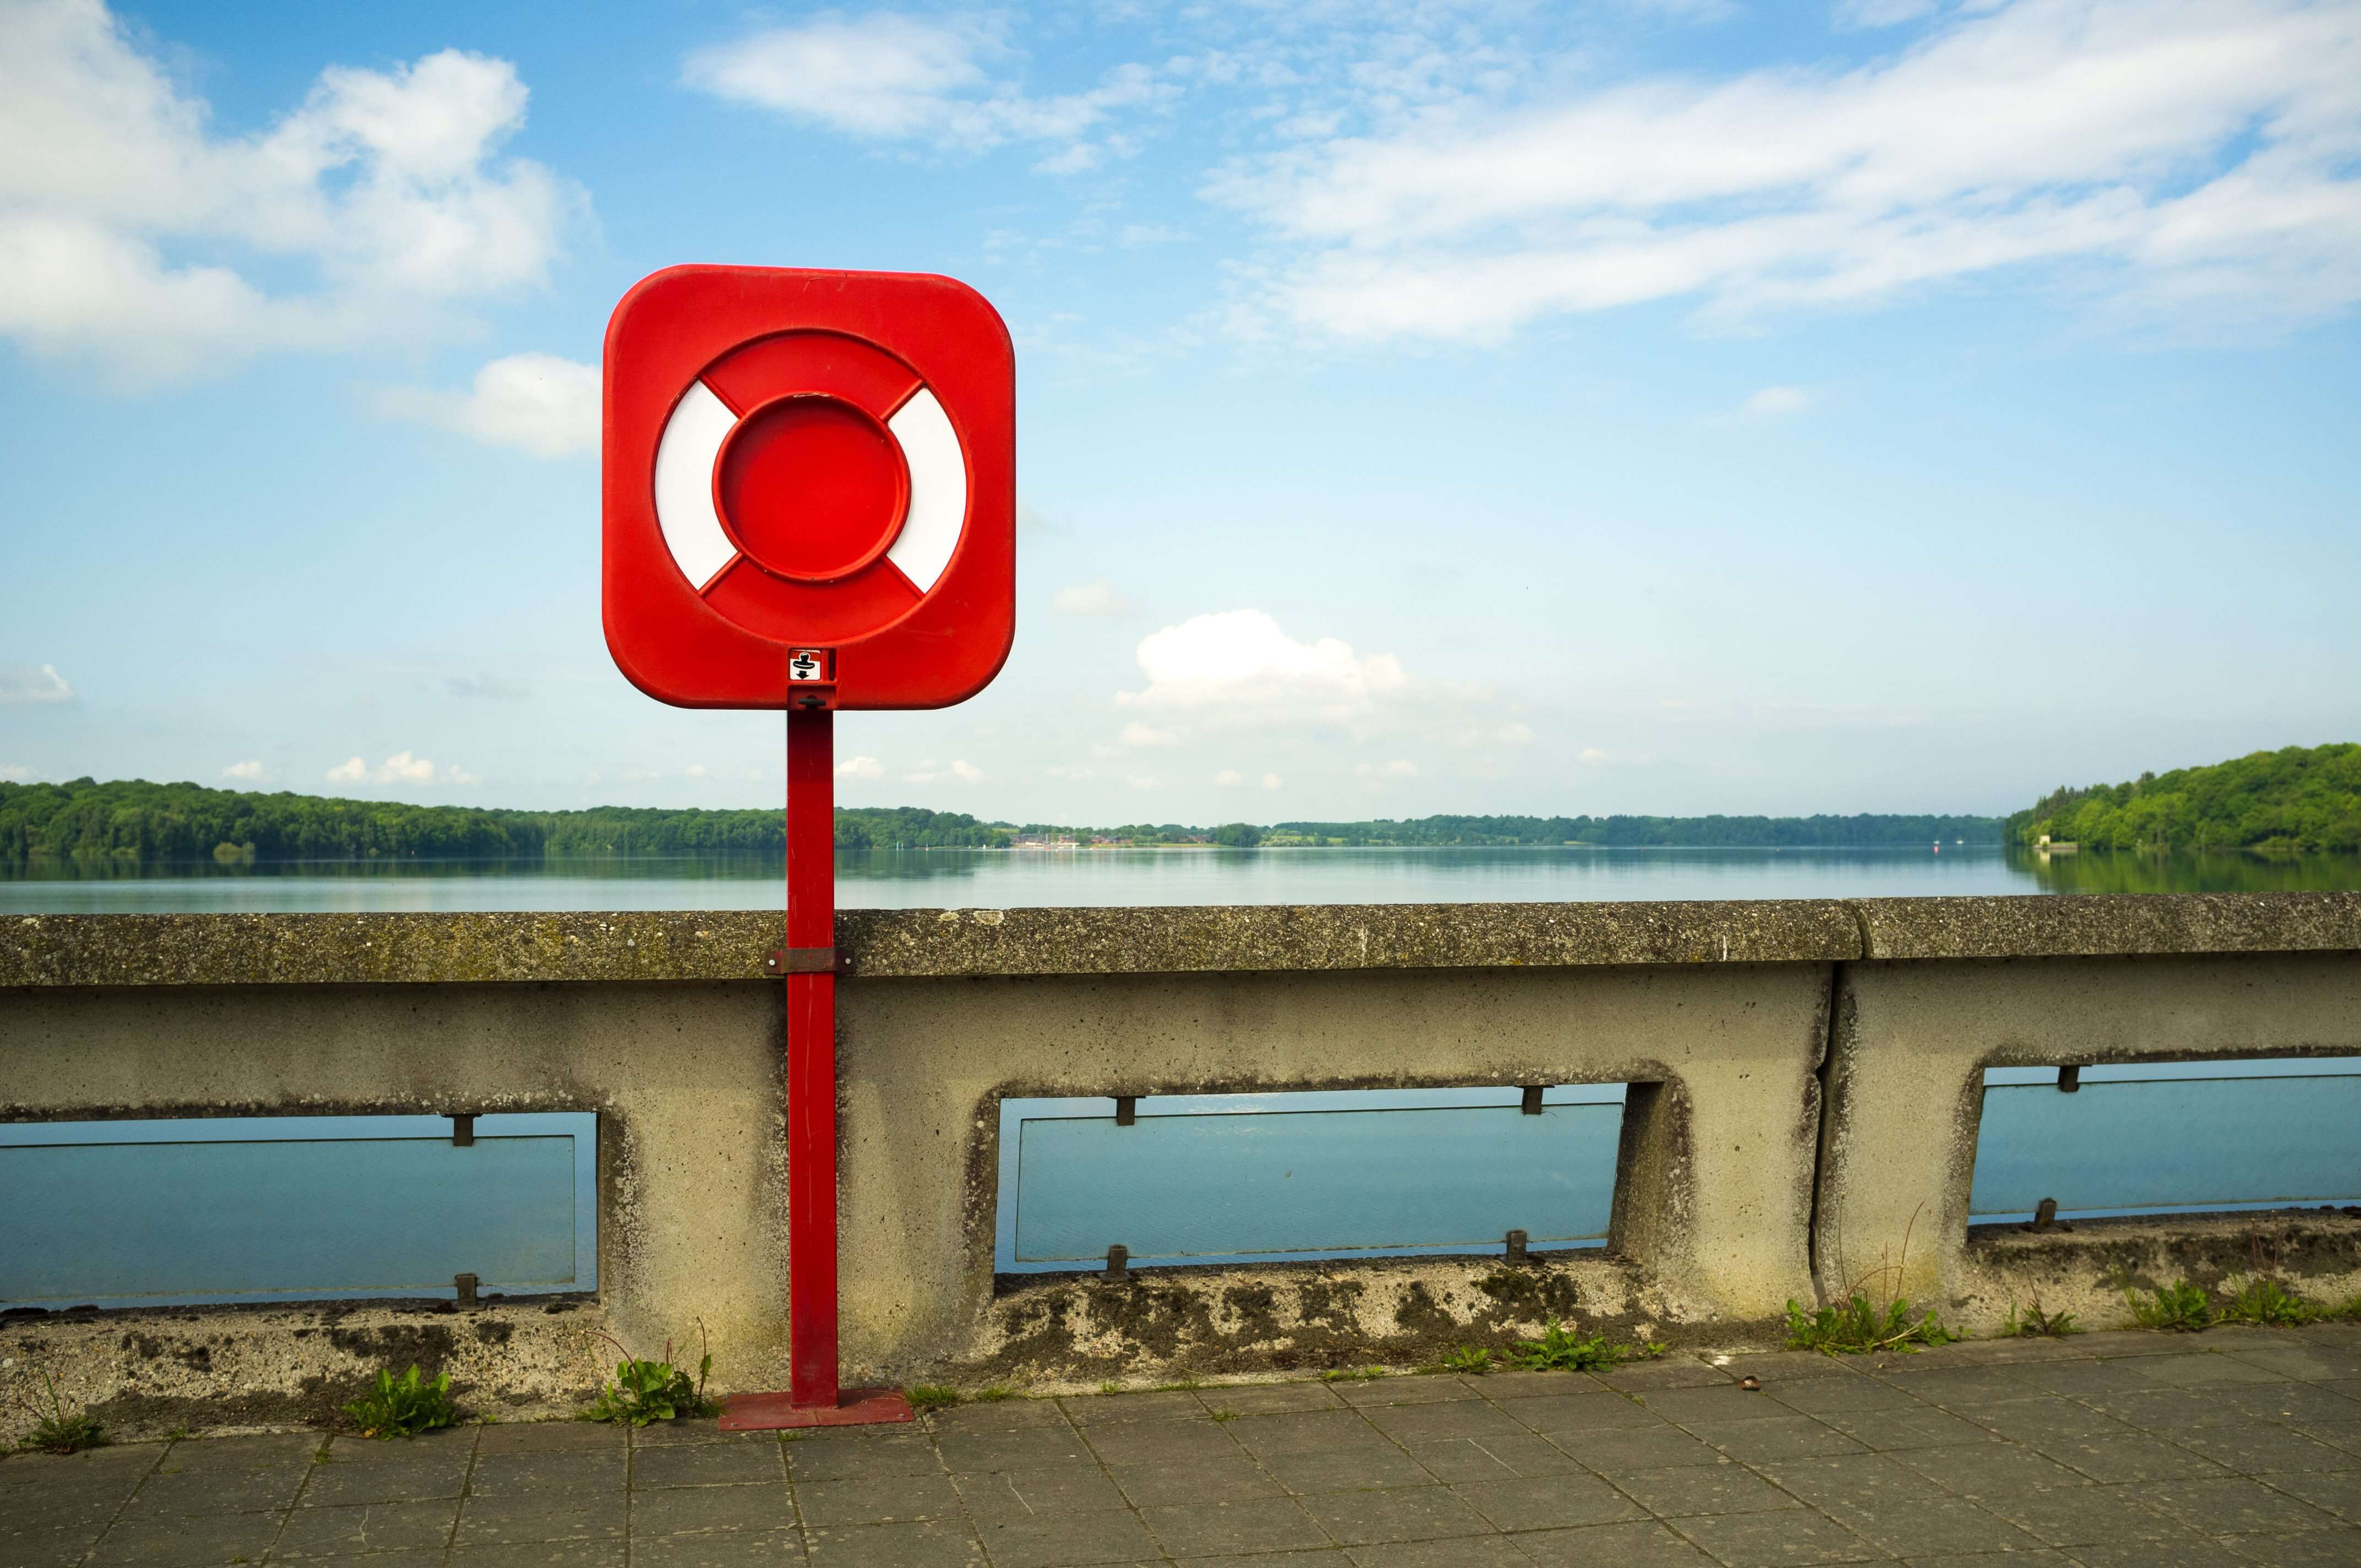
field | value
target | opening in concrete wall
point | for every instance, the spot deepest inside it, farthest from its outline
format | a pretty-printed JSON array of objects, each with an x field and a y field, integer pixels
[
  {"x": 2168, "y": 1137},
  {"x": 1208, "y": 1178},
  {"x": 230, "y": 1209}
]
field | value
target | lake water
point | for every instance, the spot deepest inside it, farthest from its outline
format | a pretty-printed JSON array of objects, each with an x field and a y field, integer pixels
[{"x": 1017, "y": 879}]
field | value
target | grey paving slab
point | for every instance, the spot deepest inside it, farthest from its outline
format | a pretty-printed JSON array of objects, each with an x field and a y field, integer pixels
[
  {"x": 1550, "y": 1502},
  {"x": 682, "y": 1510},
  {"x": 878, "y": 1499},
  {"x": 341, "y": 1483},
  {"x": 553, "y": 1437},
  {"x": 1704, "y": 1489},
  {"x": 525, "y": 1475},
  {"x": 1761, "y": 1541},
  {"x": 1265, "y": 1398},
  {"x": 708, "y": 1464},
  {"x": 1951, "y": 1387},
  {"x": 741, "y": 1548},
  {"x": 925, "y": 1543},
  {"x": 1430, "y": 1390},
  {"x": 1164, "y": 1443},
  {"x": 1698, "y": 1408},
  {"x": 997, "y": 1415},
  {"x": 1988, "y": 1469},
  {"x": 1472, "y": 1551},
  {"x": 1776, "y": 1438},
  {"x": 1303, "y": 1431},
  {"x": 2251, "y": 1450},
  {"x": 1601, "y": 1411},
  {"x": 1023, "y": 1493},
  {"x": 844, "y": 1458},
  {"x": 585, "y": 1554},
  {"x": 540, "y": 1516},
  {"x": 1535, "y": 1385},
  {"x": 2184, "y": 1551},
  {"x": 2340, "y": 1548},
  {"x": 1309, "y": 1475},
  {"x": 2338, "y": 1494},
  {"x": 346, "y": 1531},
  {"x": 1868, "y": 1481},
  {"x": 1167, "y": 1405},
  {"x": 1460, "y": 1418},
  {"x": 1493, "y": 1458},
  {"x": 1405, "y": 1513},
  {"x": 2083, "y": 1516},
  {"x": 1677, "y": 1372},
  {"x": 1919, "y": 1426},
  {"x": 1624, "y": 1545},
  {"x": 1054, "y": 1540},
  {"x": 1933, "y": 1526},
  {"x": 2233, "y": 1505},
  {"x": 2136, "y": 1457},
  {"x": 167, "y": 1538},
  {"x": 1025, "y": 1449},
  {"x": 2206, "y": 1369},
  {"x": 2287, "y": 1402},
  {"x": 1614, "y": 1452},
  {"x": 1222, "y": 1478},
  {"x": 48, "y": 1546},
  {"x": 1245, "y": 1525},
  {"x": 1830, "y": 1396}
]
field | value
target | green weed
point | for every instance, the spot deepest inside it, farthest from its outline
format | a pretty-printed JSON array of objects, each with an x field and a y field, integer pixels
[
  {"x": 992, "y": 1396},
  {"x": 649, "y": 1391},
  {"x": 1861, "y": 1326},
  {"x": 2037, "y": 1323},
  {"x": 1561, "y": 1349},
  {"x": 1352, "y": 1374},
  {"x": 1468, "y": 1358},
  {"x": 58, "y": 1432},
  {"x": 925, "y": 1396},
  {"x": 2266, "y": 1301},
  {"x": 403, "y": 1407},
  {"x": 2177, "y": 1308},
  {"x": 1226, "y": 1416}
]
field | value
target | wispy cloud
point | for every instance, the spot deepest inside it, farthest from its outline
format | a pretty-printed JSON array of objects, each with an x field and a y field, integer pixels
[
  {"x": 1097, "y": 599},
  {"x": 25, "y": 685},
  {"x": 534, "y": 402},
  {"x": 246, "y": 771},
  {"x": 2182, "y": 154},
  {"x": 401, "y": 768},
  {"x": 131, "y": 234},
  {"x": 892, "y": 78}
]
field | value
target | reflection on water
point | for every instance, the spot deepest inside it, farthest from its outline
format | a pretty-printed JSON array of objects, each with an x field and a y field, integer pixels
[{"x": 889, "y": 879}]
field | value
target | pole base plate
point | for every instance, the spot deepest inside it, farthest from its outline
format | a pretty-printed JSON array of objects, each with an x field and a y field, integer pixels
[{"x": 776, "y": 1412}]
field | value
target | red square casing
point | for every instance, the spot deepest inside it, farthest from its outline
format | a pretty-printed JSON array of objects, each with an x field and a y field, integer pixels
[{"x": 809, "y": 489}]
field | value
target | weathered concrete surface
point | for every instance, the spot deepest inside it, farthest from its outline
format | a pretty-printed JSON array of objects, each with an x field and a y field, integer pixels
[
  {"x": 2315, "y": 1254},
  {"x": 146, "y": 1373},
  {"x": 1911, "y": 1039},
  {"x": 684, "y": 1078},
  {"x": 924, "y": 1063},
  {"x": 265, "y": 950}
]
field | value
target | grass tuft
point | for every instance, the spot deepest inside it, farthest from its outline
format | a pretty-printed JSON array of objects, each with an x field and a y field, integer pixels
[
  {"x": 1352, "y": 1374},
  {"x": 55, "y": 1432},
  {"x": 924, "y": 1396},
  {"x": 2037, "y": 1323},
  {"x": 2177, "y": 1308},
  {"x": 1473, "y": 1359},
  {"x": 403, "y": 1407}
]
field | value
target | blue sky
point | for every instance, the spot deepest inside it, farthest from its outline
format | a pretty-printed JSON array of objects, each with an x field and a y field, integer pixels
[{"x": 1671, "y": 407}]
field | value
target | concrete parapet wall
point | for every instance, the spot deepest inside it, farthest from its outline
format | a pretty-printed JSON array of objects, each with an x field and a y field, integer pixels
[{"x": 1804, "y": 1079}]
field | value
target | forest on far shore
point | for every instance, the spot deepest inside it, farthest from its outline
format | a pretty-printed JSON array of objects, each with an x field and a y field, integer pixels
[
  {"x": 136, "y": 821},
  {"x": 2298, "y": 798}
]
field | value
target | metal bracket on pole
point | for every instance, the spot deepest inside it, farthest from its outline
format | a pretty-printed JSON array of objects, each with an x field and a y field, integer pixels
[
  {"x": 1531, "y": 1103},
  {"x": 463, "y": 1131},
  {"x": 1118, "y": 1265},
  {"x": 465, "y": 1286},
  {"x": 1516, "y": 1243},
  {"x": 1126, "y": 1110},
  {"x": 2069, "y": 1080},
  {"x": 800, "y": 960}
]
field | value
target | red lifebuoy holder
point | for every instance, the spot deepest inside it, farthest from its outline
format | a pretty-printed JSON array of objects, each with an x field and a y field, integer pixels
[{"x": 802, "y": 462}]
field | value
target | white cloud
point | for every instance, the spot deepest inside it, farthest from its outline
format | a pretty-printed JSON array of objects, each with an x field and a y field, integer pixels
[
  {"x": 401, "y": 768},
  {"x": 1272, "y": 781},
  {"x": 1880, "y": 13},
  {"x": 1776, "y": 402},
  {"x": 1098, "y": 598},
  {"x": 1592, "y": 757},
  {"x": 23, "y": 686},
  {"x": 1239, "y": 665},
  {"x": 961, "y": 771},
  {"x": 2178, "y": 153},
  {"x": 895, "y": 78},
  {"x": 246, "y": 770},
  {"x": 861, "y": 768},
  {"x": 1514, "y": 734},
  {"x": 15, "y": 772},
  {"x": 1229, "y": 778},
  {"x": 535, "y": 402},
  {"x": 369, "y": 211},
  {"x": 1137, "y": 734}
]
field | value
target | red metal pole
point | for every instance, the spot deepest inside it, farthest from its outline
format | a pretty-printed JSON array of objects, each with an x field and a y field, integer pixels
[{"x": 811, "y": 1056}]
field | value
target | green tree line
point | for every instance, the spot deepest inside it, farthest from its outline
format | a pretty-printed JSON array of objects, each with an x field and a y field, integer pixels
[
  {"x": 2296, "y": 799},
  {"x": 132, "y": 819}
]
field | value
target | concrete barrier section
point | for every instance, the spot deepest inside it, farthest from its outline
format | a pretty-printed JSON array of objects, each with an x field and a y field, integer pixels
[{"x": 1805, "y": 1089}]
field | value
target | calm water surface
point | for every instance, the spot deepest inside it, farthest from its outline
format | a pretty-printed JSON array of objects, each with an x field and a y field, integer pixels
[{"x": 961, "y": 878}]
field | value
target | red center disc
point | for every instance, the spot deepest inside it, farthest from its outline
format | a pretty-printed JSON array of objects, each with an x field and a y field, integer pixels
[{"x": 811, "y": 488}]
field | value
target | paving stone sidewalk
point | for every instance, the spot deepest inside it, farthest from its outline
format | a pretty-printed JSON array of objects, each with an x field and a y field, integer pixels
[{"x": 2233, "y": 1448}]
